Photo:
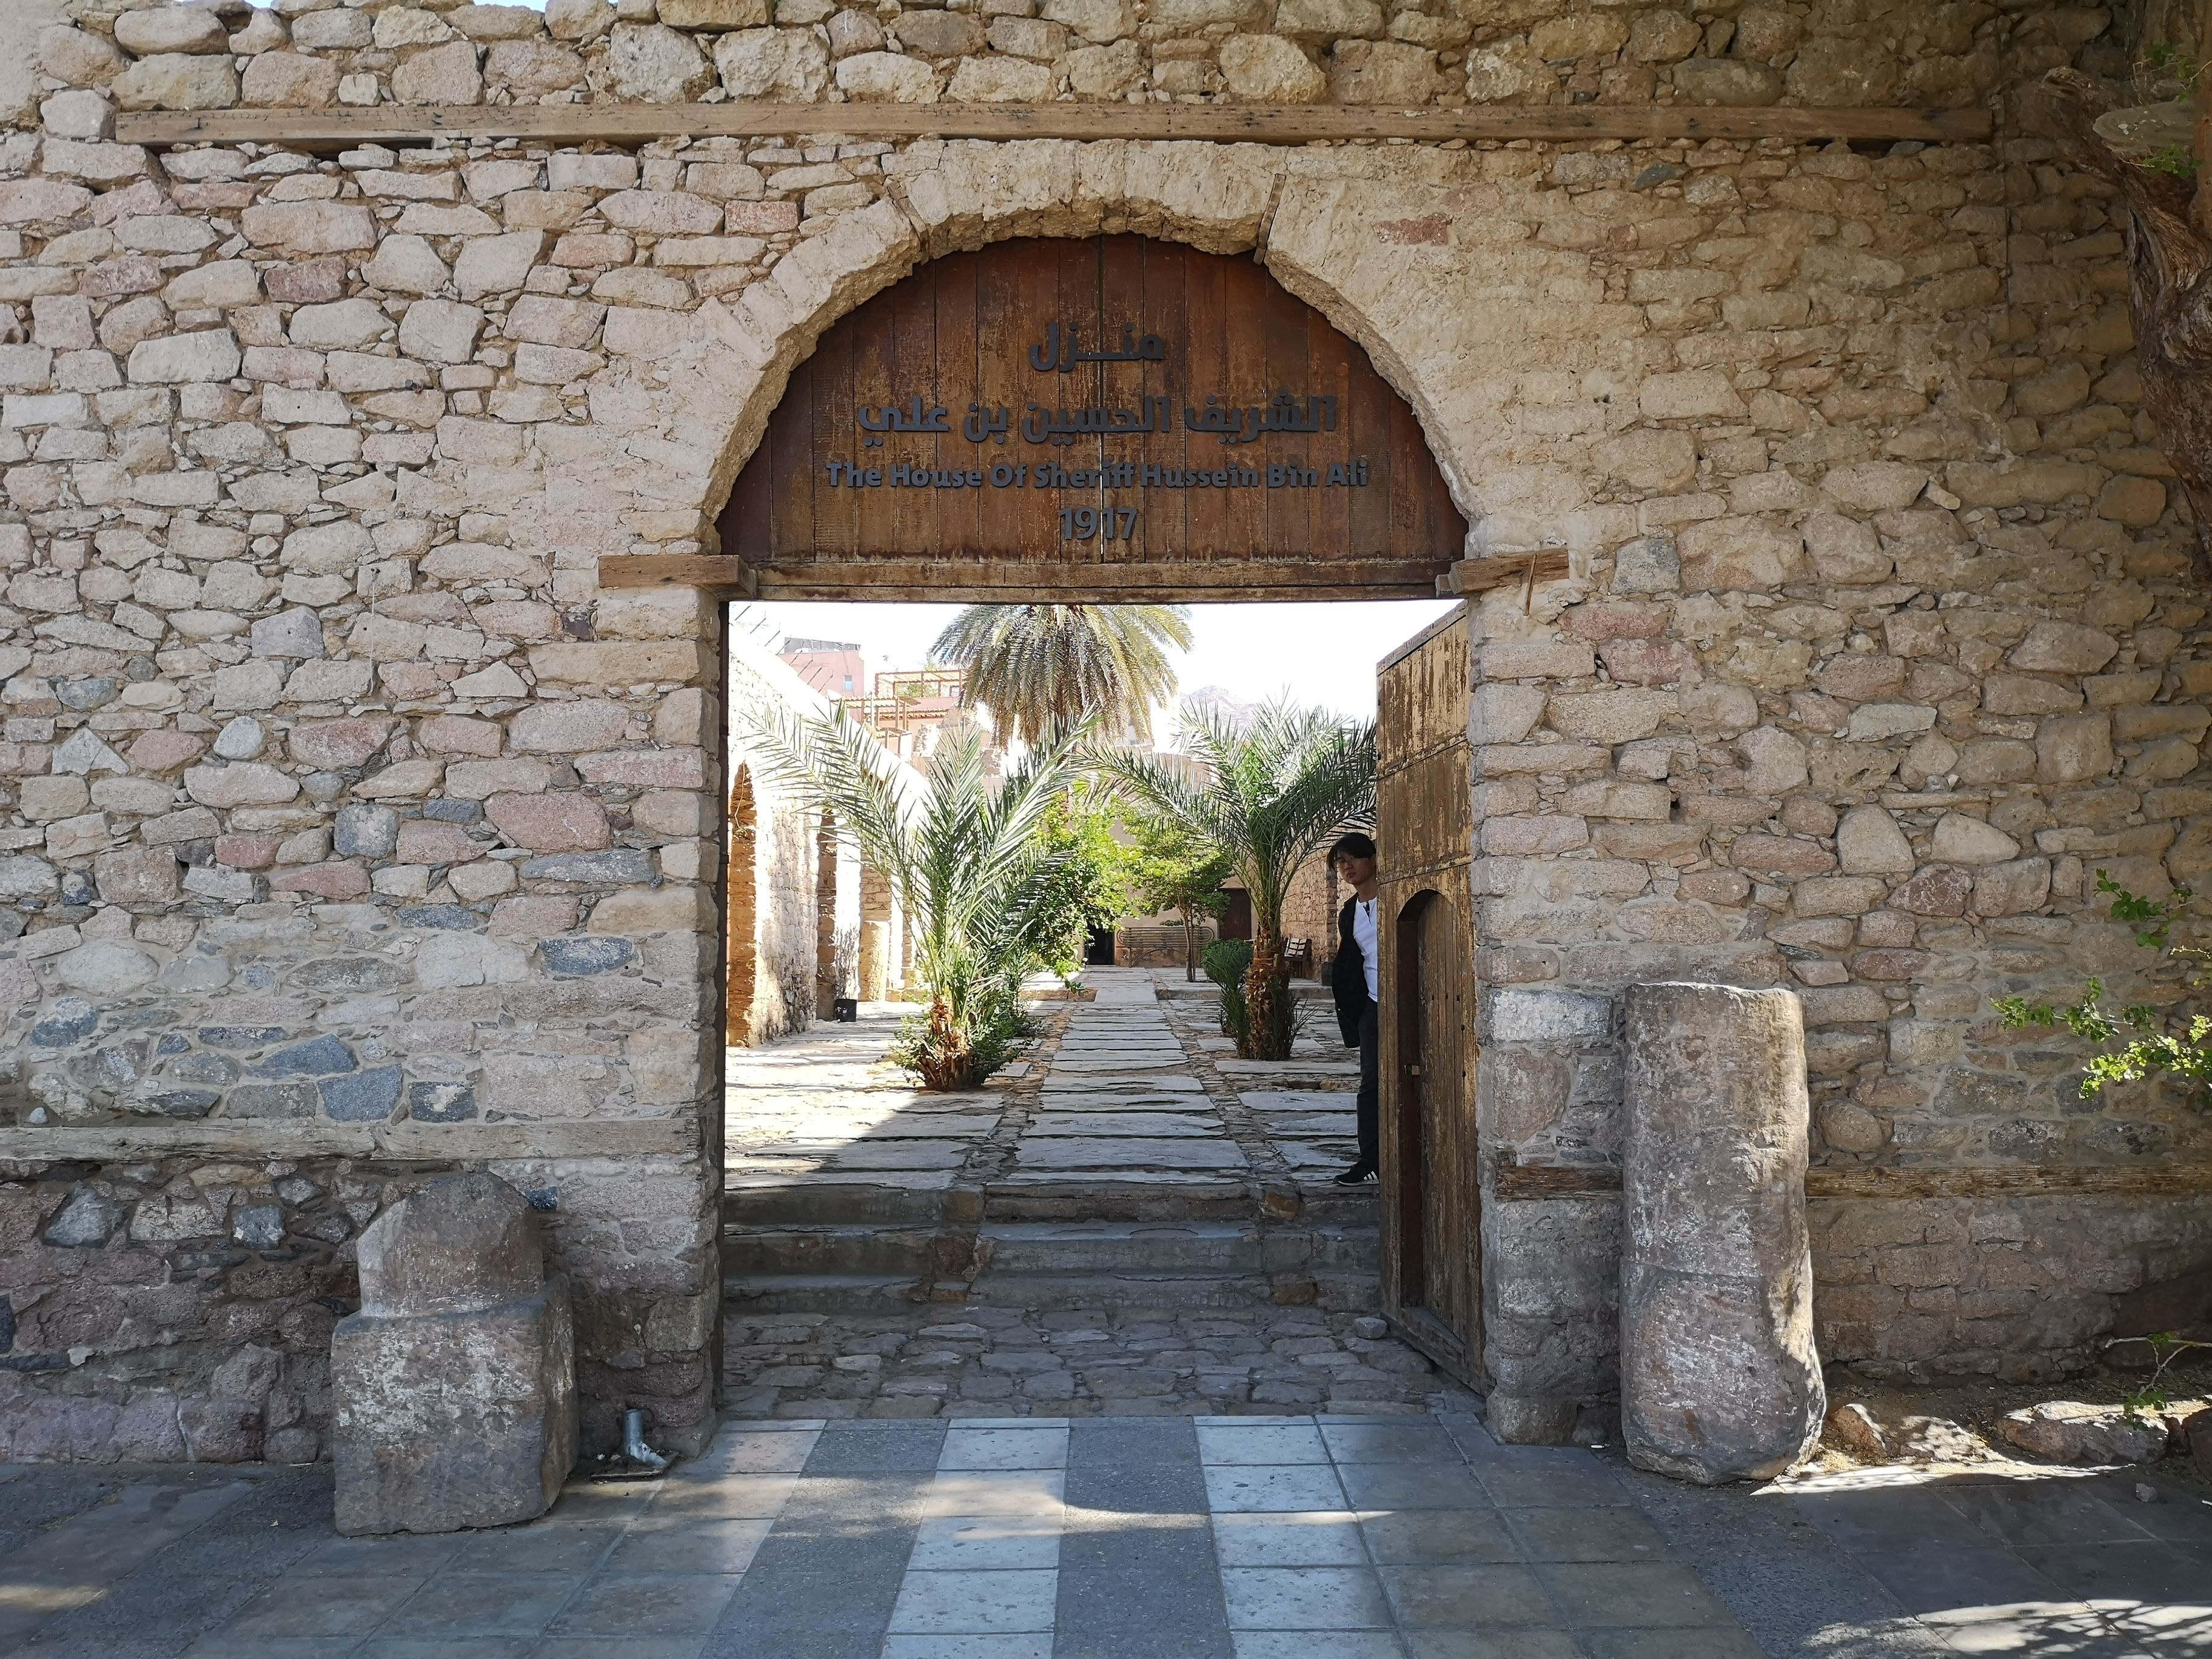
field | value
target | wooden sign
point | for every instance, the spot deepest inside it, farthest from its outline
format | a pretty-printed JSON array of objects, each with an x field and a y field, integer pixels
[{"x": 1114, "y": 418}]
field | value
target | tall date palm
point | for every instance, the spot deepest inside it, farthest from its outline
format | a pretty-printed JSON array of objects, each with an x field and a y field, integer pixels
[
  {"x": 964, "y": 861},
  {"x": 1274, "y": 791},
  {"x": 1037, "y": 666}
]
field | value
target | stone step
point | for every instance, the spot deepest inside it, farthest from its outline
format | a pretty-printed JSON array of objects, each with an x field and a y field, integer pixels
[
  {"x": 1223, "y": 1249},
  {"x": 1337, "y": 1292},
  {"x": 921, "y": 1198},
  {"x": 832, "y": 1293},
  {"x": 837, "y": 1252}
]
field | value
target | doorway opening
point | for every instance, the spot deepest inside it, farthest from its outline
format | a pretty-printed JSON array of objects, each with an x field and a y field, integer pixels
[{"x": 1107, "y": 421}]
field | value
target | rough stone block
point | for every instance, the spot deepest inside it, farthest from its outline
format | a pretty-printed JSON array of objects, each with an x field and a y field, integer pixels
[
  {"x": 455, "y": 1383},
  {"x": 1719, "y": 1377}
]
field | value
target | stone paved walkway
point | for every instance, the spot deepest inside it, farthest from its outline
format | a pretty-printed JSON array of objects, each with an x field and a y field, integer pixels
[
  {"x": 1130, "y": 1219},
  {"x": 1273, "y": 1538}
]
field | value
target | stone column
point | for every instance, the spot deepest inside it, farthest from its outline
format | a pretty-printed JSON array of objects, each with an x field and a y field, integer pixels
[
  {"x": 875, "y": 933},
  {"x": 455, "y": 1383},
  {"x": 1719, "y": 1379}
]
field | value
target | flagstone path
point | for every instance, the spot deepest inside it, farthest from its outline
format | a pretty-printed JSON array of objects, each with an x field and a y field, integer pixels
[{"x": 1128, "y": 1219}]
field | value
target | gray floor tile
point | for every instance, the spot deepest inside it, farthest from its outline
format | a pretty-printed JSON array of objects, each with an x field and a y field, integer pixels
[
  {"x": 976, "y": 1601},
  {"x": 1612, "y": 1534},
  {"x": 1438, "y": 1537},
  {"x": 222, "y": 1644},
  {"x": 464, "y": 1647},
  {"x": 482, "y": 1604},
  {"x": 1680, "y": 1645},
  {"x": 1038, "y": 1646},
  {"x": 877, "y": 1448},
  {"x": 1887, "y": 1521},
  {"x": 618, "y": 1647},
  {"x": 1494, "y": 1645},
  {"x": 1122, "y": 1443},
  {"x": 2149, "y": 1574},
  {"x": 1411, "y": 1486},
  {"x": 1303, "y": 1598},
  {"x": 1161, "y": 1546},
  {"x": 1579, "y": 1479},
  {"x": 1276, "y": 1486},
  {"x": 1233, "y": 1443},
  {"x": 1633, "y": 1594},
  {"x": 687, "y": 1545},
  {"x": 541, "y": 1548},
  {"x": 1329, "y": 1538},
  {"x": 1815, "y": 1601},
  {"x": 1138, "y": 1488},
  {"x": 732, "y": 1497},
  {"x": 645, "y": 1605},
  {"x": 1317, "y": 1644},
  {"x": 2040, "y": 1512},
  {"x": 1958, "y": 1583},
  {"x": 1468, "y": 1597},
  {"x": 1370, "y": 1442},
  {"x": 323, "y": 1604},
  {"x": 1144, "y": 1607}
]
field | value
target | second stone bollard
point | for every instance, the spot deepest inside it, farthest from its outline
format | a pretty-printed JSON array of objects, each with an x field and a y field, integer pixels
[
  {"x": 1719, "y": 1378},
  {"x": 455, "y": 1383}
]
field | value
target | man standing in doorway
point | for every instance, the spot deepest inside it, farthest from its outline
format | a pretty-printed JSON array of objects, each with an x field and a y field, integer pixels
[{"x": 1356, "y": 981}]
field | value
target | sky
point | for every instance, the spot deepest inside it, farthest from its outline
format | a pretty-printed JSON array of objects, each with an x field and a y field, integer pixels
[{"x": 1322, "y": 654}]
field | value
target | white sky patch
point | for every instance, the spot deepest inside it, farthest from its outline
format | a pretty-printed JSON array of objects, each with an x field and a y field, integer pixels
[{"x": 1323, "y": 653}]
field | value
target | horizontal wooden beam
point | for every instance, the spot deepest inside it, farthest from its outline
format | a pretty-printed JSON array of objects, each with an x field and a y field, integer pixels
[
  {"x": 1513, "y": 1181},
  {"x": 640, "y": 124},
  {"x": 1512, "y": 570},
  {"x": 2011, "y": 1181},
  {"x": 714, "y": 571},
  {"x": 974, "y": 581}
]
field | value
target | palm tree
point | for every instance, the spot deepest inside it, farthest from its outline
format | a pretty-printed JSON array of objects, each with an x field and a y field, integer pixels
[
  {"x": 1276, "y": 789},
  {"x": 964, "y": 861},
  {"x": 1037, "y": 666}
]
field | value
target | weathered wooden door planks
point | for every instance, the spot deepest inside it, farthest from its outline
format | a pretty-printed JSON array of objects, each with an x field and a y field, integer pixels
[
  {"x": 1431, "y": 1222},
  {"x": 1113, "y": 416}
]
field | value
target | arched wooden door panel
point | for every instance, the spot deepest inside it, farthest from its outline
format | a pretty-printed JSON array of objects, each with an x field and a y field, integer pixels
[{"x": 1430, "y": 1220}]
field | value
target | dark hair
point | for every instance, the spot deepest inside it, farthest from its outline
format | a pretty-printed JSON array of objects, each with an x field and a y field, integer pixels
[{"x": 1353, "y": 846}]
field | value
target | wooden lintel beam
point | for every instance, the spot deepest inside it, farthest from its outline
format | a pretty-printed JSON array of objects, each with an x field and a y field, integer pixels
[
  {"x": 638, "y": 123},
  {"x": 714, "y": 571},
  {"x": 1482, "y": 575}
]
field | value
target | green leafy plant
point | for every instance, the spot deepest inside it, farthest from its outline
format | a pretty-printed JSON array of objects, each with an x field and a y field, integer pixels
[
  {"x": 1270, "y": 793},
  {"x": 968, "y": 864},
  {"x": 1171, "y": 867},
  {"x": 2166, "y": 1347},
  {"x": 1227, "y": 961},
  {"x": 1085, "y": 887},
  {"x": 2174, "y": 159},
  {"x": 2157, "y": 1047},
  {"x": 1039, "y": 666}
]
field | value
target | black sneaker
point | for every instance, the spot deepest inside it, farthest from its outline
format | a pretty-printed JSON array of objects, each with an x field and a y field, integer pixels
[{"x": 1358, "y": 1175}]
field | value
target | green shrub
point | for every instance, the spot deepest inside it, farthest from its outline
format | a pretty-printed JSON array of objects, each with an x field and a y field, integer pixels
[
  {"x": 1226, "y": 959},
  {"x": 1225, "y": 962}
]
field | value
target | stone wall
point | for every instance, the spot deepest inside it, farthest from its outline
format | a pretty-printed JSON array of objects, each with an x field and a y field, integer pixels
[
  {"x": 782, "y": 924},
  {"x": 354, "y": 834}
]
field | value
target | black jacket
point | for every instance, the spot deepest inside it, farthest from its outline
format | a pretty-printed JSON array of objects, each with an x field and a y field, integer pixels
[{"x": 1347, "y": 978}]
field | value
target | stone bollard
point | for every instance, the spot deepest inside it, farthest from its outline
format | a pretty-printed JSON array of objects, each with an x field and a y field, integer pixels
[
  {"x": 1719, "y": 1379},
  {"x": 456, "y": 1383}
]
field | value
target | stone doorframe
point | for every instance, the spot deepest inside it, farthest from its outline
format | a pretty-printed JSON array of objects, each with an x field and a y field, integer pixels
[{"x": 1293, "y": 210}]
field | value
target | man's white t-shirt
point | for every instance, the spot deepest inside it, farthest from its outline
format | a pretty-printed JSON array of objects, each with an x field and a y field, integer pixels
[{"x": 1363, "y": 935}]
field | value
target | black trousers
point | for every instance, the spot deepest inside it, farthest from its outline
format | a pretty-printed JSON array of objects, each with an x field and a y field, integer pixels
[{"x": 1370, "y": 1089}]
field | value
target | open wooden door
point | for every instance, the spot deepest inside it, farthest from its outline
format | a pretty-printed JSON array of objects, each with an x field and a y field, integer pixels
[{"x": 1432, "y": 1223}]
